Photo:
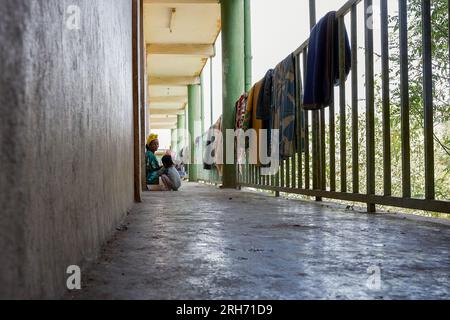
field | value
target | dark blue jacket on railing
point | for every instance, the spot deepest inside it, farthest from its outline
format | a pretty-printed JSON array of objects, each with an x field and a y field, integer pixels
[{"x": 322, "y": 72}]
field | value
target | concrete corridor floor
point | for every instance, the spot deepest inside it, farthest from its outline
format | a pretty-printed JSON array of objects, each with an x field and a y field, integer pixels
[{"x": 205, "y": 243}]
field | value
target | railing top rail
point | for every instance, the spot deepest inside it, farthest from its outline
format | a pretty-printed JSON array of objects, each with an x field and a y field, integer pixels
[
  {"x": 341, "y": 12},
  {"x": 347, "y": 7}
]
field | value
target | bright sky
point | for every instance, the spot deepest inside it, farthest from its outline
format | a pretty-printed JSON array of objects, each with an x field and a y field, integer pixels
[{"x": 278, "y": 28}]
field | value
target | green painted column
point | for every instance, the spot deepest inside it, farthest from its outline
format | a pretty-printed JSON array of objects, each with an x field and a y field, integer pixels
[
  {"x": 202, "y": 85},
  {"x": 181, "y": 127},
  {"x": 194, "y": 115},
  {"x": 248, "y": 44},
  {"x": 233, "y": 56},
  {"x": 173, "y": 144}
]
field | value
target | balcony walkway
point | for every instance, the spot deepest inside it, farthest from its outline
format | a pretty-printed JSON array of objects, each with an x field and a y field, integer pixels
[{"x": 203, "y": 243}]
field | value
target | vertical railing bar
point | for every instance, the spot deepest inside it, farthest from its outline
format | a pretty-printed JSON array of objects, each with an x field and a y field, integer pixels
[
  {"x": 315, "y": 149},
  {"x": 294, "y": 171},
  {"x": 312, "y": 13},
  {"x": 293, "y": 159},
  {"x": 306, "y": 129},
  {"x": 323, "y": 178},
  {"x": 404, "y": 99},
  {"x": 316, "y": 161},
  {"x": 428, "y": 100},
  {"x": 260, "y": 176},
  {"x": 257, "y": 175},
  {"x": 342, "y": 107},
  {"x": 370, "y": 105},
  {"x": 282, "y": 173},
  {"x": 332, "y": 144},
  {"x": 355, "y": 112},
  {"x": 387, "y": 167},
  {"x": 247, "y": 173},
  {"x": 288, "y": 172},
  {"x": 297, "y": 137},
  {"x": 254, "y": 174},
  {"x": 299, "y": 128}
]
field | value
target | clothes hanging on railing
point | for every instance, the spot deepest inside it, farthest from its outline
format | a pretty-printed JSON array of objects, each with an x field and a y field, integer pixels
[
  {"x": 264, "y": 106},
  {"x": 255, "y": 123},
  {"x": 284, "y": 106},
  {"x": 322, "y": 72},
  {"x": 241, "y": 109},
  {"x": 214, "y": 148}
]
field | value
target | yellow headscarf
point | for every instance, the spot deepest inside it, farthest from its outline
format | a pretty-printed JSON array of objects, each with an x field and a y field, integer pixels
[{"x": 151, "y": 138}]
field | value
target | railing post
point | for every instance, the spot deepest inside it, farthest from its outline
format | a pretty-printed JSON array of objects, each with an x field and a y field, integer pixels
[
  {"x": 202, "y": 103},
  {"x": 248, "y": 44},
  {"x": 181, "y": 127},
  {"x": 355, "y": 113},
  {"x": 428, "y": 100},
  {"x": 370, "y": 104},
  {"x": 317, "y": 124},
  {"x": 404, "y": 97},
  {"x": 211, "y": 88},
  {"x": 387, "y": 162},
  {"x": 173, "y": 142}
]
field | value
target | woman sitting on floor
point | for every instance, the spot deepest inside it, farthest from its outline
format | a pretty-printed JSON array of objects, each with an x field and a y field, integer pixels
[{"x": 151, "y": 162}]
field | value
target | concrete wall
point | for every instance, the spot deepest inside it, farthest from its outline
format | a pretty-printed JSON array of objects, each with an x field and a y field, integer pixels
[{"x": 66, "y": 149}]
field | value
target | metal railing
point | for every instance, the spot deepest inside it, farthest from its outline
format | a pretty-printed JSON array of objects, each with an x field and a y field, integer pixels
[{"x": 306, "y": 172}]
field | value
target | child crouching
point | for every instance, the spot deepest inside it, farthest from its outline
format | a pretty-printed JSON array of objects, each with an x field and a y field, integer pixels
[{"x": 169, "y": 175}]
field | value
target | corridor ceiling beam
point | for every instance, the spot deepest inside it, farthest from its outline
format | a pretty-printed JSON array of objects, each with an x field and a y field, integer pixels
[
  {"x": 181, "y": 1},
  {"x": 168, "y": 99},
  {"x": 166, "y": 111},
  {"x": 163, "y": 121},
  {"x": 168, "y": 117},
  {"x": 173, "y": 81},
  {"x": 202, "y": 50},
  {"x": 162, "y": 126}
]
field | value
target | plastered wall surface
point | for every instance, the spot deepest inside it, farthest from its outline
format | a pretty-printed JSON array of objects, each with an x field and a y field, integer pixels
[{"x": 66, "y": 134}]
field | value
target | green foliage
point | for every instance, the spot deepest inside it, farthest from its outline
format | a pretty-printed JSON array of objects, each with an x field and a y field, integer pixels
[{"x": 441, "y": 102}]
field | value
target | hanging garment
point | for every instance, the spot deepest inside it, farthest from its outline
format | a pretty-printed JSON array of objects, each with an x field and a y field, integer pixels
[
  {"x": 251, "y": 121},
  {"x": 256, "y": 123},
  {"x": 322, "y": 72},
  {"x": 207, "y": 164},
  {"x": 264, "y": 106},
  {"x": 219, "y": 147},
  {"x": 265, "y": 98},
  {"x": 213, "y": 152},
  {"x": 283, "y": 105},
  {"x": 241, "y": 108}
]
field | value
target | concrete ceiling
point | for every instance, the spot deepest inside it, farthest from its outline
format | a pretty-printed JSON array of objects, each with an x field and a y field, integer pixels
[{"x": 180, "y": 37}]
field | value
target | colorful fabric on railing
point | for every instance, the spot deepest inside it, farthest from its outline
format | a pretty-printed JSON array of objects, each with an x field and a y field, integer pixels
[
  {"x": 241, "y": 118},
  {"x": 322, "y": 72},
  {"x": 264, "y": 107},
  {"x": 213, "y": 154},
  {"x": 250, "y": 121},
  {"x": 283, "y": 105},
  {"x": 241, "y": 108}
]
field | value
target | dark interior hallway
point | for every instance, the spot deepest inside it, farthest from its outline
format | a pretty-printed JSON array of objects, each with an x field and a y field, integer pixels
[{"x": 205, "y": 244}]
